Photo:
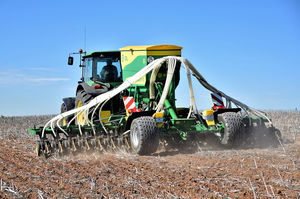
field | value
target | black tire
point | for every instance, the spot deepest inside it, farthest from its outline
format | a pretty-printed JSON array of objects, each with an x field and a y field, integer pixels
[
  {"x": 67, "y": 105},
  {"x": 144, "y": 135},
  {"x": 273, "y": 137},
  {"x": 63, "y": 108},
  {"x": 276, "y": 135},
  {"x": 82, "y": 97},
  {"x": 232, "y": 128}
]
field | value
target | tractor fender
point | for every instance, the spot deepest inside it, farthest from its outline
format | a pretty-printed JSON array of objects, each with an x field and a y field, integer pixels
[
  {"x": 136, "y": 115},
  {"x": 79, "y": 88},
  {"x": 69, "y": 102},
  {"x": 91, "y": 90}
]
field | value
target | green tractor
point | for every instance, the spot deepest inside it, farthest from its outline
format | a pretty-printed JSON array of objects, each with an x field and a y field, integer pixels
[{"x": 126, "y": 100}]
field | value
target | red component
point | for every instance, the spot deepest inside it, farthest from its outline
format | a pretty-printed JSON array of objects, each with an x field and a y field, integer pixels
[
  {"x": 80, "y": 50},
  {"x": 134, "y": 110},
  {"x": 219, "y": 107},
  {"x": 97, "y": 86}
]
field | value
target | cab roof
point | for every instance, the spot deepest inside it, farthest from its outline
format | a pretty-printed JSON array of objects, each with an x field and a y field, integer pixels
[
  {"x": 100, "y": 53},
  {"x": 146, "y": 48}
]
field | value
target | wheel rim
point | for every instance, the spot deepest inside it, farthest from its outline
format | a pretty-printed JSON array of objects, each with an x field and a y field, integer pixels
[
  {"x": 64, "y": 109},
  {"x": 64, "y": 121},
  {"x": 37, "y": 151},
  {"x": 80, "y": 116},
  {"x": 134, "y": 136}
]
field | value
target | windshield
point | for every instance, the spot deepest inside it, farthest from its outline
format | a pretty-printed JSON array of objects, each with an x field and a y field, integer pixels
[
  {"x": 108, "y": 69},
  {"x": 102, "y": 69}
]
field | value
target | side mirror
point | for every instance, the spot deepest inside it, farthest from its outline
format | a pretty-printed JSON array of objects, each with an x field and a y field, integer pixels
[{"x": 70, "y": 60}]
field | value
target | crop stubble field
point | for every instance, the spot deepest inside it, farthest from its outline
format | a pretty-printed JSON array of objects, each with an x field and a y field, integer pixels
[{"x": 272, "y": 172}]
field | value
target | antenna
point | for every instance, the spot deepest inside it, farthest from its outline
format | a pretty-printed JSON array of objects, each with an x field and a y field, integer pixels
[{"x": 84, "y": 38}]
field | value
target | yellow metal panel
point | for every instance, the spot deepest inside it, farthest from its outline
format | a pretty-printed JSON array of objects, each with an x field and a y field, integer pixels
[
  {"x": 128, "y": 56},
  {"x": 104, "y": 115},
  {"x": 137, "y": 55},
  {"x": 158, "y": 115},
  {"x": 164, "y": 53},
  {"x": 141, "y": 81},
  {"x": 210, "y": 122},
  {"x": 209, "y": 117},
  {"x": 152, "y": 47},
  {"x": 207, "y": 112},
  {"x": 164, "y": 47},
  {"x": 134, "y": 48}
]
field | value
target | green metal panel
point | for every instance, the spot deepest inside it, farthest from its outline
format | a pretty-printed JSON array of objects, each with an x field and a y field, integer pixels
[{"x": 133, "y": 67}]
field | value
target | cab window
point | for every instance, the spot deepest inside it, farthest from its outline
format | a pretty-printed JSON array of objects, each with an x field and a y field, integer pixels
[
  {"x": 108, "y": 69},
  {"x": 87, "y": 70}
]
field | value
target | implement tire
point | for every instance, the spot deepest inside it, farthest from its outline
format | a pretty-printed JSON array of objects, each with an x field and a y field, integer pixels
[
  {"x": 82, "y": 98},
  {"x": 144, "y": 135},
  {"x": 232, "y": 128}
]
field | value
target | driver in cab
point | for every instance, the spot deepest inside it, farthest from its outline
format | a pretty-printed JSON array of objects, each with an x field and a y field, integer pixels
[{"x": 109, "y": 73}]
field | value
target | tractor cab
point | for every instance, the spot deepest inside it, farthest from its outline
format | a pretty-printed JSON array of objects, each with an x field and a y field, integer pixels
[
  {"x": 102, "y": 67},
  {"x": 101, "y": 72}
]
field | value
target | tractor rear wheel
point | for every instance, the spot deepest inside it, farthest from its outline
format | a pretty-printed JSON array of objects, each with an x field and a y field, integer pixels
[
  {"x": 82, "y": 98},
  {"x": 232, "y": 128},
  {"x": 144, "y": 135}
]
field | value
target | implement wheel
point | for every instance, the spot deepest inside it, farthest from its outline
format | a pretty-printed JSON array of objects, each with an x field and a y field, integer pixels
[
  {"x": 232, "y": 128},
  {"x": 144, "y": 135},
  {"x": 38, "y": 148}
]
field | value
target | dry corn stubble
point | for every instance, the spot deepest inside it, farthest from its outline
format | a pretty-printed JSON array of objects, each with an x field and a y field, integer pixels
[{"x": 244, "y": 173}]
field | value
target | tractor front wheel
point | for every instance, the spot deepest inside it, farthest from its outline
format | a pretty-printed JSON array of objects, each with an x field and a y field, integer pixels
[
  {"x": 232, "y": 128},
  {"x": 82, "y": 98},
  {"x": 63, "y": 109},
  {"x": 144, "y": 135}
]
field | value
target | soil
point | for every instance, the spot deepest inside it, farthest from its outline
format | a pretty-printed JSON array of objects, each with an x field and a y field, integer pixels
[{"x": 272, "y": 172}]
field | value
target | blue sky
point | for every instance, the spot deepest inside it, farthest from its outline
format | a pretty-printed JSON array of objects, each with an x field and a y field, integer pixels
[{"x": 248, "y": 49}]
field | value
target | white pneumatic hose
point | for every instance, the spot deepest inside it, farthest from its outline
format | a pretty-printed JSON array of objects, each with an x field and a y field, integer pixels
[
  {"x": 155, "y": 65},
  {"x": 170, "y": 73}
]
